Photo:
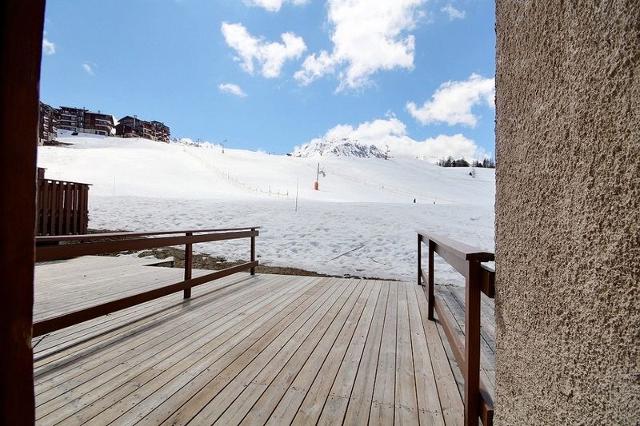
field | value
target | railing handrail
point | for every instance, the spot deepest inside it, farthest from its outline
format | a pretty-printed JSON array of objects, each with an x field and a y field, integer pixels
[
  {"x": 125, "y": 234},
  {"x": 467, "y": 260},
  {"x": 460, "y": 249},
  {"x": 458, "y": 255},
  {"x": 65, "y": 251}
]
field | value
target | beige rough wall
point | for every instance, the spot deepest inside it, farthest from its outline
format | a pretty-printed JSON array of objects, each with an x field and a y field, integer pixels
[{"x": 568, "y": 212}]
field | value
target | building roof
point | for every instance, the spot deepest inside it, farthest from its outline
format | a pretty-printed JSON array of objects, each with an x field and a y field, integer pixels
[{"x": 73, "y": 108}]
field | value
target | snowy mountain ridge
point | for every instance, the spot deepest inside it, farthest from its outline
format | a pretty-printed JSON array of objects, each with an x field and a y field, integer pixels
[{"x": 344, "y": 147}]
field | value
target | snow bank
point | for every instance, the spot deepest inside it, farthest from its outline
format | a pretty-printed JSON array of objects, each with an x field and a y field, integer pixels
[{"x": 364, "y": 204}]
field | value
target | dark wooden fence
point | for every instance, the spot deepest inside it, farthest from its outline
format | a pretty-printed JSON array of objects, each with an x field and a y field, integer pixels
[
  {"x": 65, "y": 247},
  {"x": 467, "y": 260},
  {"x": 62, "y": 207}
]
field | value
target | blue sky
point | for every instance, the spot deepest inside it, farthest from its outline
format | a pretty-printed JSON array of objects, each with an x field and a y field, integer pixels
[{"x": 222, "y": 70}]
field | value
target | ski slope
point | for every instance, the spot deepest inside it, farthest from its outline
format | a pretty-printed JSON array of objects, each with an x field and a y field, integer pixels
[{"x": 361, "y": 221}]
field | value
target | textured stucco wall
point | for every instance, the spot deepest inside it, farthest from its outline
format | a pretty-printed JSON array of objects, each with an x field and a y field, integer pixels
[{"x": 568, "y": 212}]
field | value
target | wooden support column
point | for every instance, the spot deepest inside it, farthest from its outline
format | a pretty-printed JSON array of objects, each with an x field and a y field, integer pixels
[
  {"x": 420, "y": 260},
  {"x": 21, "y": 24},
  {"x": 253, "y": 251},
  {"x": 188, "y": 265},
  {"x": 472, "y": 345},
  {"x": 431, "y": 299}
]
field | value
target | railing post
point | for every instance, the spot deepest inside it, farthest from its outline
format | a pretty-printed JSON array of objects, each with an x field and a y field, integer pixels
[
  {"x": 420, "y": 260},
  {"x": 253, "y": 250},
  {"x": 431, "y": 298},
  {"x": 188, "y": 264},
  {"x": 472, "y": 345}
]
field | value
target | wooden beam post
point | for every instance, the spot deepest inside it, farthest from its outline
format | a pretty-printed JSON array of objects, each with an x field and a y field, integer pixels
[
  {"x": 188, "y": 265},
  {"x": 253, "y": 251},
  {"x": 420, "y": 260},
  {"x": 472, "y": 345},
  {"x": 21, "y": 24},
  {"x": 431, "y": 300}
]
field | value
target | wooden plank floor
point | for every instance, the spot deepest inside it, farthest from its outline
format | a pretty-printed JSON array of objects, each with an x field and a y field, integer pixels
[{"x": 267, "y": 349}]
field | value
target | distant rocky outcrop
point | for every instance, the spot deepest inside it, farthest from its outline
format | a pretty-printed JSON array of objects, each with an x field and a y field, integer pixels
[{"x": 344, "y": 147}]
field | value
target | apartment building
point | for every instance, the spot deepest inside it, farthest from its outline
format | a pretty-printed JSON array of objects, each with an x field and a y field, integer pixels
[
  {"x": 98, "y": 123},
  {"x": 132, "y": 126},
  {"x": 84, "y": 121},
  {"x": 48, "y": 123},
  {"x": 161, "y": 131},
  {"x": 70, "y": 118}
]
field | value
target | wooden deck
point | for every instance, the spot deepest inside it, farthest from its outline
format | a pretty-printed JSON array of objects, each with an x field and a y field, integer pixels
[{"x": 252, "y": 350}]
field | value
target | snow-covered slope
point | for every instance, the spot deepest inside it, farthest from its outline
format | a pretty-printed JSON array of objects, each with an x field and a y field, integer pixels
[
  {"x": 138, "y": 167},
  {"x": 362, "y": 221}
]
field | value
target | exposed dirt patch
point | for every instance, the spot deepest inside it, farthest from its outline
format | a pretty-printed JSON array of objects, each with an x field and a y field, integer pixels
[
  {"x": 205, "y": 261},
  {"x": 56, "y": 143}
]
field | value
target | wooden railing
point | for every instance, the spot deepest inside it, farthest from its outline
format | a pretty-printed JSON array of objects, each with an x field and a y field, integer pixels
[
  {"x": 62, "y": 207},
  {"x": 467, "y": 260},
  {"x": 65, "y": 247}
]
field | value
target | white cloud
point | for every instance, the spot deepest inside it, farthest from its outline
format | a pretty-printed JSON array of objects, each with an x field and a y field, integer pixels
[
  {"x": 314, "y": 67},
  {"x": 269, "y": 56},
  {"x": 392, "y": 133},
  {"x": 88, "y": 68},
  {"x": 453, "y": 13},
  {"x": 368, "y": 36},
  {"x": 453, "y": 101},
  {"x": 48, "y": 47},
  {"x": 273, "y": 5},
  {"x": 232, "y": 89}
]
